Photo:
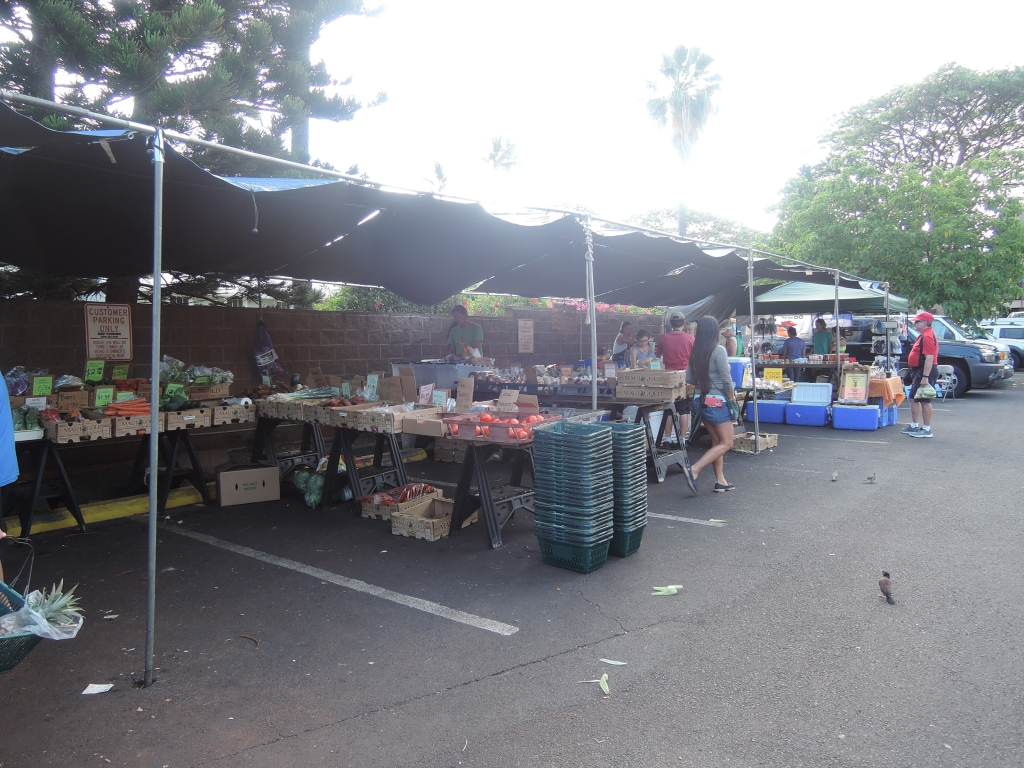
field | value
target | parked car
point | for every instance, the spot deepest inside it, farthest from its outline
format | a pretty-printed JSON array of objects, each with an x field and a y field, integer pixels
[
  {"x": 948, "y": 329},
  {"x": 976, "y": 363},
  {"x": 1009, "y": 331}
]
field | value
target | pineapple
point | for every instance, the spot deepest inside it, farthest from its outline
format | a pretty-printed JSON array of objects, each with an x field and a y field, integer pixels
[{"x": 57, "y": 608}]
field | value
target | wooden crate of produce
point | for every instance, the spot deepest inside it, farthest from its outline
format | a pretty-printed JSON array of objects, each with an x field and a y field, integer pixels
[
  {"x": 745, "y": 443},
  {"x": 194, "y": 418},
  {"x": 389, "y": 419},
  {"x": 209, "y": 391},
  {"x": 124, "y": 426},
  {"x": 430, "y": 520},
  {"x": 83, "y": 431},
  {"x": 233, "y": 414}
]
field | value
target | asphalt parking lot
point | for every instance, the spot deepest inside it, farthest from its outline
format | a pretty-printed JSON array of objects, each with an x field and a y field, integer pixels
[{"x": 776, "y": 652}]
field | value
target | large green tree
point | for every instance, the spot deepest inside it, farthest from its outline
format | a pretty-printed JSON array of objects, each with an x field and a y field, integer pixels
[
  {"x": 684, "y": 101},
  {"x": 921, "y": 188}
]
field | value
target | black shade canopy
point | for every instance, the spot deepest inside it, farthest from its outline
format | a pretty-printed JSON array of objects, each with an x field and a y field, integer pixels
[{"x": 81, "y": 203}]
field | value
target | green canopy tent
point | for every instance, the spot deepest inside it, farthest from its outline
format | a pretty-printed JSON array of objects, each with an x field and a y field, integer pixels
[{"x": 810, "y": 298}]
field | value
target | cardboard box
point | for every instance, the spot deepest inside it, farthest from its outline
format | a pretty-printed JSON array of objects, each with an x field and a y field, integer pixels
[
  {"x": 340, "y": 416},
  {"x": 316, "y": 379},
  {"x": 450, "y": 444},
  {"x": 464, "y": 395},
  {"x": 290, "y": 410},
  {"x": 266, "y": 408},
  {"x": 390, "y": 419},
  {"x": 194, "y": 418},
  {"x": 125, "y": 426},
  {"x": 645, "y": 377},
  {"x": 650, "y": 394},
  {"x": 430, "y": 520},
  {"x": 355, "y": 383},
  {"x": 233, "y": 414},
  {"x": 247, "y": 484},
  {"x": 428, "y": 427},
  {"x": 34, "y": 402},
  {"x": 209, "y": 392},
  {"x": 83, "y": 431},
  {"x": 513, "y": 401},
  {"x": 384, "y": 511},
  {"x": 745, "y": 443},
  {"x": 391, "y": 391}
]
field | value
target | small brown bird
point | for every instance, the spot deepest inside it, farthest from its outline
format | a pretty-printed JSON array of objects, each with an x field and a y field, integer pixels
[
  {"x": 885, "y": 585},
  {"x": 871, "y": 478}
]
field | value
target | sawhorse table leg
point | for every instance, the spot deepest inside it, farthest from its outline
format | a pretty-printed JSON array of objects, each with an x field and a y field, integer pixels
[
  {"x": 661, "y": 456},
  {"x": 376, "y": 473},
  {"x": 41, "y": 453}
]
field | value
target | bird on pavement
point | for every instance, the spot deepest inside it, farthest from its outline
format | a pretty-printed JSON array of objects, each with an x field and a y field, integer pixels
[
  {"x": 835, "y": 475},
  {"x": 885, "y": 585},
  {"x": 871, "y": 478}
]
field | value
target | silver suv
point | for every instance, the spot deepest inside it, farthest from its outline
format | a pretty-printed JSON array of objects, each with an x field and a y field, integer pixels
[{"x": 1009, "y": 331}]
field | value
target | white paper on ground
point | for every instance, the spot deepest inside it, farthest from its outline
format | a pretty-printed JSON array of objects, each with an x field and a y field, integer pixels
[{"x": 97, "y": 688}]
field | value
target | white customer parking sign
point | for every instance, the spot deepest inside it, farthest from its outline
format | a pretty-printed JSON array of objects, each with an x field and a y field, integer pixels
[{"x": 108, "y": 331}]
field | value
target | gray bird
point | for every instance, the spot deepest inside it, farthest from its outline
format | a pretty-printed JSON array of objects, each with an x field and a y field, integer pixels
[
  {"x": 871, "y": 478},
  {"x": 885, "y": 585},
  {"x": 835, "y": 475}
]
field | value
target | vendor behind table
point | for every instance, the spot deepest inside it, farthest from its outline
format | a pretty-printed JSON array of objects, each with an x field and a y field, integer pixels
[
  {"x": 623, "y": 341},
  {"x": 674, "y": 349},
  {"x": 643, "y": 349},
  {"x": 793, "y": 348},
  {"x": 465, "y": 339}
]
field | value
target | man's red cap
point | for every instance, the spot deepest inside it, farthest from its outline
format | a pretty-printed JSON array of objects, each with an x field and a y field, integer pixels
[{"x": 927, "y": 316}]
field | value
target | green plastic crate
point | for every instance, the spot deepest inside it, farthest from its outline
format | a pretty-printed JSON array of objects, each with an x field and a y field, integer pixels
[{"x": 573, "y": 558}]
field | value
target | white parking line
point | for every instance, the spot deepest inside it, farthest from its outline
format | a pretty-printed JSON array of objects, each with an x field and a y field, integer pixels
[
  {"x": 838, "y": 439},
  {"x": 712, "y": 523},
  {"x": 359, "y": 586}
]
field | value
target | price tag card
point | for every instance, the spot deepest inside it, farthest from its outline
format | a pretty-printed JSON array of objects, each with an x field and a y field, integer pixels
[
  {"x": 655, "y": 365},
  {"x": 120, "y": 372},
  {"x": 440, "y": 397},
  {"x": 42, "y": 386},
  {"x": 122, "y": 396},
  {"x": 773, "y": 374},
  {"x": 201, "y": 381},
  {"x": 346, "y": 389},
  {"x": 464, "y": 395},
  {"x": 371, "y": 382},
  {"x": 105, "y": 396},
  {"x": 426, "y": 393},
  {"x": 173, "y": 389},
  {"x": 36, "y": 402},
  {"x": 94, "y": 370},
  {"x": 266, "y": 381}
]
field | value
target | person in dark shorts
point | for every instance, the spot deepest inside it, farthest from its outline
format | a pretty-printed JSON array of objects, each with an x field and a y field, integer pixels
[
  {"x": 716, "y": 400},
  {"x": 923, "y": 362}
]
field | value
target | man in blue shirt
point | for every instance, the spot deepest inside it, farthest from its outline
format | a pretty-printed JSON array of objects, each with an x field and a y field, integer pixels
[
  {"x": 793, "y": 348},
  {"x": 8, "y": 458}
]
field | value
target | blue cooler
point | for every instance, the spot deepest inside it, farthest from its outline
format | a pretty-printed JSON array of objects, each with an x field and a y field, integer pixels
[
  {"x": 768, "y": 411},
  {"x": 860, "y": 417},
  {"x": 890, "y": 415},
  {"x": 807, "y": 415},
  {"x": 736, "y": 367}
]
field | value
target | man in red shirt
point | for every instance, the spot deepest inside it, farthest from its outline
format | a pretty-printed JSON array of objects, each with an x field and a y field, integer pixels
[
  {"x": 923, "y": 362},
  {"x": 674, "y": 347}
]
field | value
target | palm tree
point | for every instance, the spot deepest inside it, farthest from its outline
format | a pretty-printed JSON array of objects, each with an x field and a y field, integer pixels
[
  {"x": 685, "y": 100},
  {"x": 503, "y": 154}
]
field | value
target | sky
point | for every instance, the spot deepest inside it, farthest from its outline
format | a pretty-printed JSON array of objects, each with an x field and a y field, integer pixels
[{"x": 566, "y": 82}]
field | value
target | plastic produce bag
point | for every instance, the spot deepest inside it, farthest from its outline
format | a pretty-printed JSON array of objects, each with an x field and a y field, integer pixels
[
  {"x": 263, "y": 351},
  {"x": 172, "y": 371},
  {"x": 19, "y": 379},
  {"x": 31, "y": 618},
  {"x": 68, "y": 381}
]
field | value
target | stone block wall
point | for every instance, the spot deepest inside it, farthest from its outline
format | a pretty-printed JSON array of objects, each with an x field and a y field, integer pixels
[{"x": 52, "y": 335}]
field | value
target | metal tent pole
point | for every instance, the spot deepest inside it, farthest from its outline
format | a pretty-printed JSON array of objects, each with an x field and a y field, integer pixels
[
  {"x": 839, "y": 363},
  {"x": 591, "y": 312},
  {"x": 157, "y": 148},
  {"x": 753, "y": 348},
  {"x": 888, "y": 332}
]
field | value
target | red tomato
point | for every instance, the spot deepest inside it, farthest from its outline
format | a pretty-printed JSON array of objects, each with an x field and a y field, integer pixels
[
  {"x": 529, "y": 433},
  {"x": 486, "y": 417},
  {"x": 521, "y": 434},
  {"x": 455, "y": 429},
  {"x": 487, "y": 431},
  {"x": 478, "y": 431},
  {"x": 513, "y": 421}
]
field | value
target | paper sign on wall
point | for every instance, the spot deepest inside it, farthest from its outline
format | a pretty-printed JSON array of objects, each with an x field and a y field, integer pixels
[
  {"x": 773, "y": 374},
  {"x": 426, "y": 393},
  {"x": 526, "y": 337},
  {"x": 94, "y": 370},
  {"x": 108, "y": 331},
  {"x": 120, "y": 372}
]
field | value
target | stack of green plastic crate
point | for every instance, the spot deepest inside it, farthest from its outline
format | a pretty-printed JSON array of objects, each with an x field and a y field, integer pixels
[
  {"x": 574, "y": 494},
  {"x": 629, "y": 488}
]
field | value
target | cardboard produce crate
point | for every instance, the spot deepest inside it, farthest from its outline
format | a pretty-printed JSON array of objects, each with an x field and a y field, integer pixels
[
  {"x": 340, "y": 416},
  {"x": 266, "y": 408},
  {"x": 194, "y": 418},
  {"x": 650, "y": 394},
  {"x": 745, "y": 443},
  {"x": 434, "y": 427},
  {"x": 389, "y": 419},
  {"x": 247, "y": 484},
  {"x": 384, "y": 511},
  {"x": 645, "y": 377},
  {"x": 233, "y": 414},
  {"x": 83, "y": 431},
  {"x": 209, "y": 391},
  {"x": 430, "y": 520}
]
